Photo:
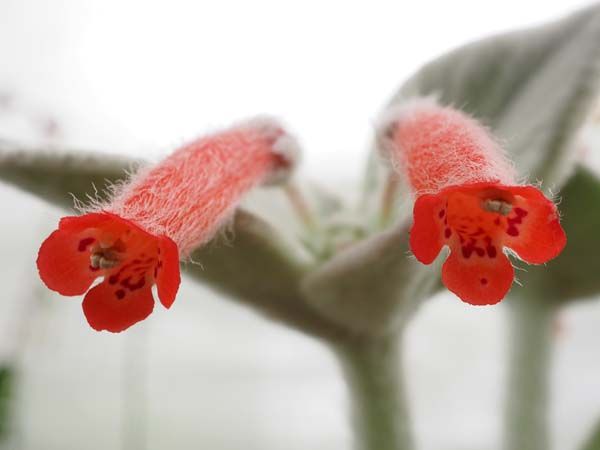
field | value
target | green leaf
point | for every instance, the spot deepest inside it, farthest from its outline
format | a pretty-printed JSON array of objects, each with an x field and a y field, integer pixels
[
  {"x": 258, "y": 268},
  {"x": 574, "y": 273},
  {"x": 59, "y": 176},
  {"x": 372, "y": 287},
  {"x": 534, "y": 88}
]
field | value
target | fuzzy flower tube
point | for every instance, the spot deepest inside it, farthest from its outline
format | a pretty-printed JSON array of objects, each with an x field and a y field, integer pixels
[
  {"x": 161, "y": 215},
  {"x": 467, "y": 199}
]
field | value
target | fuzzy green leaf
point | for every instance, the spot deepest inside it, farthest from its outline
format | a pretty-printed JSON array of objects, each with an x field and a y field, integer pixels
[
  {"x": 59, "y": 176},
  {"x": 534, "y": 88},
  {"x": 372, "y": 287},
  {"x": 258, "y": 268}
]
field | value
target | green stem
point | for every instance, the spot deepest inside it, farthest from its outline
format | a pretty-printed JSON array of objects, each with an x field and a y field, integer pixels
[
  {"x": 134, "y": 390},
  {"x": 373, "y": 371},
  {"x": 526, "y": 421},
  {"x": 593, "y": 442}
]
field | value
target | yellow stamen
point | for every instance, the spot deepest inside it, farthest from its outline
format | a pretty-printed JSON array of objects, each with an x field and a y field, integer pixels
[
  {"x": 497, "y": 206},
  {"x": 104, "y": 259}
]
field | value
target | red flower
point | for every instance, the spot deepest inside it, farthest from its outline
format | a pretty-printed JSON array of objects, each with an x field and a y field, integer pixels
[
  {"x": 164, "y": 212},
  {"x": 477, "y": 221},
  {"x": 467, "y": 200},
  {"x": 130, "y": 260}
]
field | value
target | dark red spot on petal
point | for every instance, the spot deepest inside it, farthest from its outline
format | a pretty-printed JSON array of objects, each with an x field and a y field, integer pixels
[
  {"x": 120, "y": 294},
  {"x": 157, "y": 267},
  {"x": 512, "y": 231},
  {"x": 84, "y": 243},
  {"x": 135, "y": 286},
  {"x": 479, "y": 232},
  {"x": 94, "y": 269},
  {"x": 497, "y": 221},
  {"x": 442, "y": 213},
  {"x": 447, "y": 233},
  {"x": 466, "y": 251},
  {"x": 491, "y": 251},
  {"x": 113, "y": 279},
  {"x": 484, "y": 281},
  {"x": 520, "y": 212}
]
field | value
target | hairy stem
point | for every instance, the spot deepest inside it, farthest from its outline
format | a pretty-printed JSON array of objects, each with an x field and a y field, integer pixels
[
  {"x": 300, "y": 206},
  {"x": 373, "y": 370},
  {"x": 526, "y": 410}
]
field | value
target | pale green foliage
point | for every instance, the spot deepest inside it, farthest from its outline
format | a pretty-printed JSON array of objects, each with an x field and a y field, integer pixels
[
  {"x": 59, "y": 176},
  {"x": 534, "y": 88}
]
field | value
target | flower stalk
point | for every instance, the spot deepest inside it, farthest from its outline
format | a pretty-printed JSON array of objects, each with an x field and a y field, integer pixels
[{"x": 300, "y": 206}]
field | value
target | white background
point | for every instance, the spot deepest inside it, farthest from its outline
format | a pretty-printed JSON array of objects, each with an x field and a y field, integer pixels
[{"x": 140, "y": 77}]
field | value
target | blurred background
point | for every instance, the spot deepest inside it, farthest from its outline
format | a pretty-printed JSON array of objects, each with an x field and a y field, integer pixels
[{"x": 139, "y": 78}]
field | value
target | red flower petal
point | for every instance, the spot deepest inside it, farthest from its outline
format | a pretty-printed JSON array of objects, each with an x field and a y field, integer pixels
[
  {"x": 129, "y": 258},
  {"x": 167, "y": 271},
  {"x": 477, "y": 280},
  {"x": 80, "y": 223},
  {"x": 62, "y": 266},
  {"x": 112, "y": 308},
  {"x": 426, "y": 234},
  {"x": 540, "y": 237}
]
